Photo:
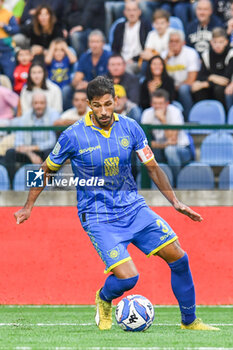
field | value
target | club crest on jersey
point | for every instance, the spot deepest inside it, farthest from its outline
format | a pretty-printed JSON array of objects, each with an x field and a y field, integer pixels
[
  {"x": 114, "y": 253},
  {"x": 124, "y": 141}
]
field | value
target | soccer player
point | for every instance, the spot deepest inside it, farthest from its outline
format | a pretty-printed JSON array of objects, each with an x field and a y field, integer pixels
[{"x": 115, "y": 215}]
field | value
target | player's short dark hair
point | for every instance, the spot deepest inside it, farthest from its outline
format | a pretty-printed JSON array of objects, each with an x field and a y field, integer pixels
[
  {"x": 100, "y": 86},
  {"x": 161, "y": 93}
]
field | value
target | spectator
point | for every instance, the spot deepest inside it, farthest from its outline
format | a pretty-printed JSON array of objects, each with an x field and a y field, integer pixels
[
  {"x": 216, "y": 70},
  {"x": 125, "y": 106},
  {"x": 199, "y": 31},
  {"x": 5, "y": 81},
  {"x": 24, "y": 58},
  {"x": 156, "y": 78},
  {"x": 16, "y": 7},
  {"x": 77, "y": 112},
  {"x": 169, "y": 146},
  {"x": 157, "y": 40},
  {"x": 8, "y": 27},
  {"x": 91, "y": 64},
  {"x": 117, "y": 72},
  {"x": 37, "y": 81},
  {"x": 8, "y": 104},
  {"x": 182, "y": 63},
  {"x": 59, "y": 59},
  {"x": 82, "y": 16},
  {"x": 230, "y": 25},
  {"x": 222, "y": 9},
  {"x": 32, "y": 147},
  {"x": 43, "y": 29},
  {"x": 177, "y": 8},
  {"x": 58, "y": 7},
  {"x": 130, "y": 36}
]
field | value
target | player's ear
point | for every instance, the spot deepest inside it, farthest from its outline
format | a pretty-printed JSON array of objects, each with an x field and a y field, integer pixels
[
  {"x": 89, "y": 103},
  {"x": 115, "y": 99}
]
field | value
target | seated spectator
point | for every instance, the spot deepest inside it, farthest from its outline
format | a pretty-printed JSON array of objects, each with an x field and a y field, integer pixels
[
  {"x": 8, "y": 27},
  {"x": 37, "y": 81},
  {"x": 24, "y": 58},
  {"x": 182, "y": 63},
  {"x": 77, "y": 112},
  {"x": 124, "y": 106},
  {"x": 216, "y": 70},
  {"x": 8, "y": 104},
  {"x": 199, "y": 31},
  {"x": 157, "y": 39},
  {"x": 43, "y": 29},
  {"x": 80, "y": 17},
  {"x": 130, "y": 36},
  {"x": 91, "y": 64},
  {"x": 169, "y": 146},
  {"x": 59, "y": 59},
  {"x": 117, "y": 72},
  {"x": 156, "y": 78},
  {"x": 16, "y": 7},
  {"x": 31, "y": 6},
  {"x": 230, "y": 25},
  {"x": 222, "y": 9},
  {"x": 32, "y": 147}
]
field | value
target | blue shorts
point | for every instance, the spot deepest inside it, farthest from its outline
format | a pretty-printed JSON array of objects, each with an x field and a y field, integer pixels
[{"x": 143, "y": 228}]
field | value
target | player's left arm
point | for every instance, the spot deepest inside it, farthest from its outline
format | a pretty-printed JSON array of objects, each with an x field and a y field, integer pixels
[{"x": 160, "y": 179}]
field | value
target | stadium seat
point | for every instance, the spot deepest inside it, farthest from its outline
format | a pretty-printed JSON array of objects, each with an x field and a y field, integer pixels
[
  {"x": 207, "y": 112},
  {"x": 4, "y": 179},
  {"x": 226, "y": 178},
  {"x": 217, "y": 149},
  {"x": 196, "y": 176},
  {"x": 176, "y": 23},
  {"x": 112, "y": 28},
  {"x": 230, "y": 119},
  {"x": 168, "y": 172}
]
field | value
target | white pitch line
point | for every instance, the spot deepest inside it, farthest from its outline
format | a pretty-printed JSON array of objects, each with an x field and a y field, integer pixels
[{"x": 15, "y": 324}]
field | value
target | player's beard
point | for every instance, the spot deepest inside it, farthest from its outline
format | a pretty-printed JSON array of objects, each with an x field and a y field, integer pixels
[{"x": 104, "y": 121}]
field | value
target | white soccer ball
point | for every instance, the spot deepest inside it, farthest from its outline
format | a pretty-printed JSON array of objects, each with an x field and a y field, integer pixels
[{"x": 134, "y": 313}]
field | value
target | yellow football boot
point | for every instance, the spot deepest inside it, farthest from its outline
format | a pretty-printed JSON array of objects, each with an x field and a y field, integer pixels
[
  {"x": 198, "y": 325},
  {"x": 103, "y": 316}
]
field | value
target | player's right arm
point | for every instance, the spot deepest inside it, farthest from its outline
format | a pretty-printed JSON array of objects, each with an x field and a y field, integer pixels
[
  {"x": 24, "y": 213},
  {"x": 61, "y": 152}
]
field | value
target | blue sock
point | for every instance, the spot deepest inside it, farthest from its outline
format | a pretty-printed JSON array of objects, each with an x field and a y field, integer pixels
[
  {"x": 183, "y": 288},
  {"x": 114, "y": 287}
]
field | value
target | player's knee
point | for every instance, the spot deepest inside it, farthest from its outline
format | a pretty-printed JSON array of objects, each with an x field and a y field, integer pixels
[{"x": 181, "y": 264}]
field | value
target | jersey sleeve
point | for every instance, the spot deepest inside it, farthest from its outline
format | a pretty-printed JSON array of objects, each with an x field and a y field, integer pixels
[
  {"x": 141, "y": 146},
  {"x": 61, "y": 152}
]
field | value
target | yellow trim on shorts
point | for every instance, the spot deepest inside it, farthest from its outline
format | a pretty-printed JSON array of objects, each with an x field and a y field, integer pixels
[
  {"x": 117, "y": 264},
  {"x": 162, "y": 246}
]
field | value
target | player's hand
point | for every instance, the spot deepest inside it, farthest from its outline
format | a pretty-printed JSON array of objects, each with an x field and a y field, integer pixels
[
  {"x": 22, "y": 215},
  {"x": 184, "y": 209}
]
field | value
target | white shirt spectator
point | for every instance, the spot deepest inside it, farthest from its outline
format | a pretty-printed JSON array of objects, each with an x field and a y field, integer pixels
[
  {"x": 173, "y": 117},
  {"x": 179, "y": 66},
  {"x": 72, "y": 114},
  {"x": 156, "y": 42},
  {"x": 53, "y": 95},
  {"x": 131, "y": 42}
]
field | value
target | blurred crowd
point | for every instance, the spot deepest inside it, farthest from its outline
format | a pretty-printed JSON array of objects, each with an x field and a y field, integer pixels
[{"x": 163, "y": 57}]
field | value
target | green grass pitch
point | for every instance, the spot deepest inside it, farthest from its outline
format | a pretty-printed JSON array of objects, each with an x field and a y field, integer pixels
[{"x": 73, "y": 328}]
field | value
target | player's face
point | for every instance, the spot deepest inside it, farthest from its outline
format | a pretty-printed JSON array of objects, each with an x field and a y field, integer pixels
[{"x": 103, "y": 108}]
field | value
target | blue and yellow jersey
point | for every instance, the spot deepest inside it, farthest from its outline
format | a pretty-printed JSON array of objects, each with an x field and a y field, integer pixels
[{"x": 104, "y": 156}]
